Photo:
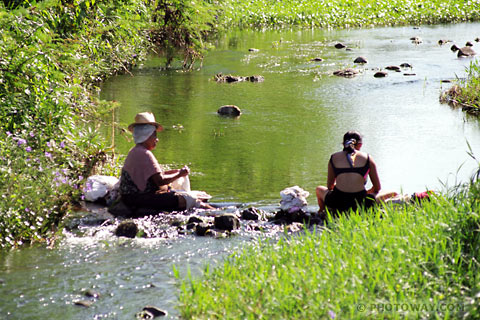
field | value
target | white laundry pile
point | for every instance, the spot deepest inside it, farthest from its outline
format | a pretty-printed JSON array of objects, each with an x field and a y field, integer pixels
[
  {"x": 293, "y": 199},
  {"x": 98, "y": 187}
]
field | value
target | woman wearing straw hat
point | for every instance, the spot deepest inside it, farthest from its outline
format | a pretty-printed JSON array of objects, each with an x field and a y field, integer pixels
[{"x": 144, "y": 184}]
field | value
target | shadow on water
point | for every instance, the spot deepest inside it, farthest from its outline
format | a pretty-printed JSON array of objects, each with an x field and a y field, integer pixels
[{"x": 290, "y": 124}]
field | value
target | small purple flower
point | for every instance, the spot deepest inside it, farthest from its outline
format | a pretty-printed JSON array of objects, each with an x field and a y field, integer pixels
[
  {"x": 32, "y": 134},
  {"x": 27, "y": 210},
  {"x": 64, "y": 180},
  {"x": 9, "y": 134},
  {"x": 21, "y": 141},
  {"x": 49, "y": 144},
  {"x": 82, "y": 197},
  {"x": 332, "y": 314},
  {"x": 48, "y": 155},
  {"x": 62, "y": 144},
  {"x": 28, "y": 149},
  {"x": 80, "y": 178}
]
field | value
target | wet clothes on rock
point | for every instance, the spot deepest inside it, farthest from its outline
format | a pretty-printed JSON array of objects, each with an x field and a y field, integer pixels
[{"x": 343, "y": 201}]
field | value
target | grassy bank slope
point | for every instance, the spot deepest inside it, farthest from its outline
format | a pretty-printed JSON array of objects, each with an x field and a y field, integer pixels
[
  {"x": 406, "y": 262},
  {"x": 346, "y": 13},
  {"x": 52, "y": 56}
]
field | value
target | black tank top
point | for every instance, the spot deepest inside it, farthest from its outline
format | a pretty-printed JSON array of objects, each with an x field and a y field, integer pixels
[{"x": 363, "y": 171}]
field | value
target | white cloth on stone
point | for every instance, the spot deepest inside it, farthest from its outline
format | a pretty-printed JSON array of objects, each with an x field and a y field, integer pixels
[{"x": 293, "y": 197}]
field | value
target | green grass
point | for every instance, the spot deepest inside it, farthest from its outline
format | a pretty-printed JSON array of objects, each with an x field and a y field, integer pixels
[
  {"x": 345, "y": 13},
  {"x": 466, "y": 92},
  {"x": 404, "y": 262}
]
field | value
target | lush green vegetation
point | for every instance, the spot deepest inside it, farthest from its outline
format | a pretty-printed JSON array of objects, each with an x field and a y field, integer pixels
[
  {"x": 415, "y": 261},
  {"x": 466, "y": 92},
  {"x": 346, "y": 13},
  {"x": 52, "y": 56}
]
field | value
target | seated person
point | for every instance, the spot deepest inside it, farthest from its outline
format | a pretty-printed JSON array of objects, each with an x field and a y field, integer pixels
[
  {"x": 348, "y": 171},
  {"x": 143, "y": 183}
]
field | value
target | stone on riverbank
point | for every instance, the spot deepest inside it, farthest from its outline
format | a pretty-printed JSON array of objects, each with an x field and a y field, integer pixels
[
  {"x": 202, "y": 229},
  {"x": 300, "y": 216},
  {"x": 227, "y": 222},
  {"x": 127, "y": 229},
  {"x": 251, "y": 214}
]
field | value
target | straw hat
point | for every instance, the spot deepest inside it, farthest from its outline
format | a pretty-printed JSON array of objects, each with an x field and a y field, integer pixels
[{"x": 145, "y": 118}]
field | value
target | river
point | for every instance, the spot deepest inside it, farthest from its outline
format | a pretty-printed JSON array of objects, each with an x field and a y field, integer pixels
[{"x": 290, "y": 125}]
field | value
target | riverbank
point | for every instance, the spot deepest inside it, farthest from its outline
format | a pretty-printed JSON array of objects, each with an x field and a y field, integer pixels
[
  {"x": 414, "y": 261},
  {"x": 53, "y": 56}
]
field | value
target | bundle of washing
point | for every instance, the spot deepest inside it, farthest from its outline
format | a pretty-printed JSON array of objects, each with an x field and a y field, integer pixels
[
  {"x": 182, "y": 186},
  {"x": 100, "y": 187},
  {"x": 293, "y": 199}
]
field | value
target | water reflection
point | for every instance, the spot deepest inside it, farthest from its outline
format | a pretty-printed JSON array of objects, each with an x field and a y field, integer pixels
[{"x": 295, "y": 119}]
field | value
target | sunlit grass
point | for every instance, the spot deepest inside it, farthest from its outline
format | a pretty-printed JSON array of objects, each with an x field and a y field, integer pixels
[
  {"x": 394, "y": 263},
  {"x": 346, "y": 13}
]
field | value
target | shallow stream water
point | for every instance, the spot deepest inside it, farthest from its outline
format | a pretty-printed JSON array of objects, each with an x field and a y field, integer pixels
[{"x": 290, "y": 125}]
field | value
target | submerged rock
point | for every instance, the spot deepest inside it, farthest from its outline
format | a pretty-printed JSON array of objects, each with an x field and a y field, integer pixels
[
  {"x": 156, "y": 312},
  {"x": 316, "y": 59},
  {"x": 219, "y": 77},
  {"x": 195, "y": 219},
  {"x": 443, "y": 41},
  {"x": 299, "y": 216},
  {"x": 393, "y": 68},
  {"x": 227, "y": 222},
  {"x": 380, "y": 74},
  {"x": 346, "y": 73},
  {"x": 361, "y": 60},
  {"x": 201, "y": 229},
  {"x": 92, "y": 294},
  {"x": 340, "y": 45},
  {"x": 406, "y": 65},
  {"x": 416, "y": 40},
  {"x": 229, "y": 110},
  {"x": 127, "y": 229},
  {"x": 251, "y": 214},
  {"x": 83, "y": 303}
]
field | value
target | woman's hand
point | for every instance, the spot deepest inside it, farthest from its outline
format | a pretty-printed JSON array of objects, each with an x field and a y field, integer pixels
[{"x": 185, "y": 171}]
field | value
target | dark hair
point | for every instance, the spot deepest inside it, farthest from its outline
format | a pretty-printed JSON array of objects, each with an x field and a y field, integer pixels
[{"x": 350, "y": 139}]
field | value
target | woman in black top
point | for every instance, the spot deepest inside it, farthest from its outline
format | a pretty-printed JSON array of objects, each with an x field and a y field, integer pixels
[{"x": 348, "y": 171}]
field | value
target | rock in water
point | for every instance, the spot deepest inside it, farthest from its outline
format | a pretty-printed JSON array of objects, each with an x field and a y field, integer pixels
[
  {"x": 226, "y": 222},
  {"x": 229, "y": 110},
  {"x": 126, "y": 229}
]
